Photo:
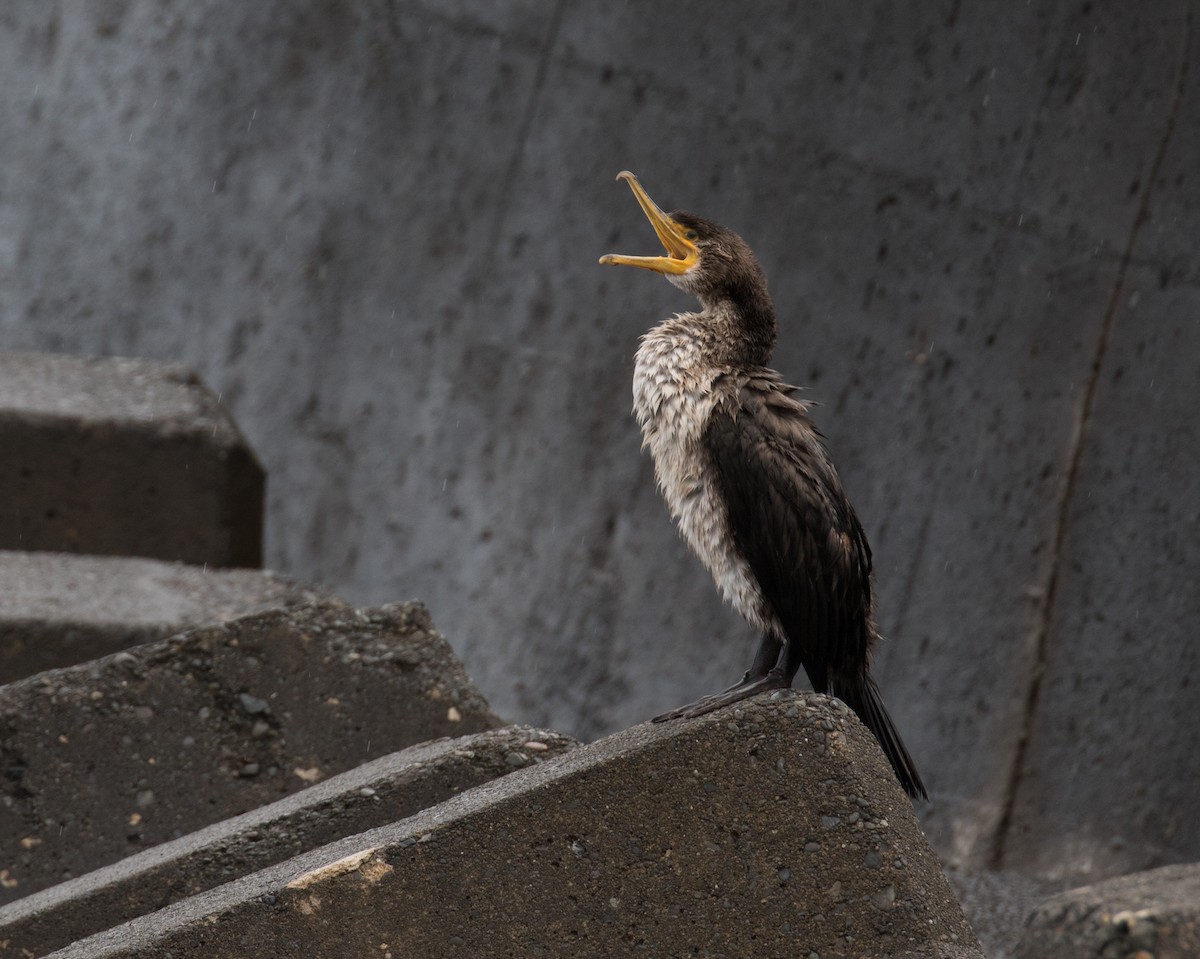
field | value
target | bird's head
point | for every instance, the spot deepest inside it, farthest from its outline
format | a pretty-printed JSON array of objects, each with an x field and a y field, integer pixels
[{"x": 702, "y": 257}]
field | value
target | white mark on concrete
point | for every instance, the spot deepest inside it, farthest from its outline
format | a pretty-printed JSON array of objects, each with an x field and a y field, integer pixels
[
  {"x": 310, "y": 905},
  {"x": 346, "y": 864}
]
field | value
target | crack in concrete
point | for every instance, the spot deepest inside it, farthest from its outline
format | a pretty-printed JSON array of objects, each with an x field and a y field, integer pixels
[{"x": 1077, "y": 443}]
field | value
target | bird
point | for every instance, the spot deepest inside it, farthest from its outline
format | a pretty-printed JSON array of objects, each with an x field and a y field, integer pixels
[{"x": 748, "y": 480}]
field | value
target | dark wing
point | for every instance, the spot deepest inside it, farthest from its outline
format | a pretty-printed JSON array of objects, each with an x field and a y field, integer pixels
[{"x": 792, "y": 521}]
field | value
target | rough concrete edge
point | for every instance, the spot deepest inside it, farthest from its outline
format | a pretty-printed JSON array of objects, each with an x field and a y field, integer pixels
[
  {"x": 178, "y": 636},
  {"x": 109, "y": 888},
  {"x": 409, "y": 617},
  {"x": 1153, "y": 912},
  {"x": 217, "y": 595},
  {"x": 356, "y": 853},
  {"x": 205, "y": 413},
  {"x": 165, "y": 647}
]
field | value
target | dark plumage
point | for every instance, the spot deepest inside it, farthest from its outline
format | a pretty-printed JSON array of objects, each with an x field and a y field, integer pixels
[{"x": 749, "y": 482}]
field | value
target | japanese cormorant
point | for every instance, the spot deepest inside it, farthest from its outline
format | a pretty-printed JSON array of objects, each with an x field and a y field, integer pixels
[{"x": 747, "y": 478}]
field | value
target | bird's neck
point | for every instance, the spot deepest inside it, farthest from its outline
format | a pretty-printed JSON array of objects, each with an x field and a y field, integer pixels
[{"x": 744, "y": 321}]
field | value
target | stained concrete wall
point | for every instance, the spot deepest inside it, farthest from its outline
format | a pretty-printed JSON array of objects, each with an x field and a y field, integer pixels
[{"x": 373, "y": 229}]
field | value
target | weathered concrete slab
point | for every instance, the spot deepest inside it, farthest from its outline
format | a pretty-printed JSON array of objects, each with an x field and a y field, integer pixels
[
  {"x": 104, "y": 759},
  {"x": 775, "y": 828},
  {"x": 124, "y": 457},
  {"x": 60, "y": 609},
  {"x": 1145, "y": 915},
  {"x": 373, "y": 794}
]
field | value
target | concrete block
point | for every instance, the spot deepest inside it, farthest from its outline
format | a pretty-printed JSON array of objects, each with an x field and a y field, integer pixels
[
  {"x": 373, "y": 794},
  {"x": 104, "y": 759},
  {"x": 1145, "y": 914},
  {"x": 774, "y": 828},
  {"x": 60, "y": 609},
  {"x": 124, "y": 457}
]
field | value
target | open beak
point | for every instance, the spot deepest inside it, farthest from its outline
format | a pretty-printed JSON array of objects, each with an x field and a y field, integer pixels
[{"x": 682, "y": 253}]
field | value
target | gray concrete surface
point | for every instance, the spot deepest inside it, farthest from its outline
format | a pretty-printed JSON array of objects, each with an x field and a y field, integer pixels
[
  {"x": 772, "y": 829},
  {"x": 1147, "y": 914},
  {"x": 373, "y": 229},
  {"x": 124, "y": 457},
  {"x": 378, "y": 792},
  {"x": 107, "y": 758},
  {"x": 61, "y": 609},
  {"x": 997, "y": 904}
]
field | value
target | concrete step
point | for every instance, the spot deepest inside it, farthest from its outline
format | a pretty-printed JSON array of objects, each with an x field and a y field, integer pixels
[
  {"x": 771, "y": 828},
  {"x": 377, "y": 792},
  {"x": 124, "y": 457},
  {"x": 61, "y": 609},
  {"x": 105, "y": 759}
]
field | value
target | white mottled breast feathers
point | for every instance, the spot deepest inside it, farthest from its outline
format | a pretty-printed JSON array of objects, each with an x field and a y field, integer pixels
[{"x": 675, "y": 389}]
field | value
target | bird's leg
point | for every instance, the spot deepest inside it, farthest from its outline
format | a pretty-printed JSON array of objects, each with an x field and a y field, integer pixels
[
  {"x": 762, "y": 675},
  {"x": 766, "y": 657}
]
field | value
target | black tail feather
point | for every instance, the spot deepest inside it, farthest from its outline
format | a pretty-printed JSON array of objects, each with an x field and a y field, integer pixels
[{"x": 862, "y": 695}]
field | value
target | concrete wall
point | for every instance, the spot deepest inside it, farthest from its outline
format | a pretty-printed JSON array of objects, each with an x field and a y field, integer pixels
[{"x": 373, "y": 228}]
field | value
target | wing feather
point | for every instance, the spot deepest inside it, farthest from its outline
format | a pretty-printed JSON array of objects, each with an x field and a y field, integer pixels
[{"x": 793, "y": 523}]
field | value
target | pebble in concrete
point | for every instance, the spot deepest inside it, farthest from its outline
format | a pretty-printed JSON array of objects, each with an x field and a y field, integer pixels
[
  {"x": 774, "y": 828},
  {"x": 104, "y": 759},
  {"x": 375, "y": 793},
  {"x": 1145, "y": 915},
  {"x": 61, "y": 609},
  {"x": 124, "y": 457}
]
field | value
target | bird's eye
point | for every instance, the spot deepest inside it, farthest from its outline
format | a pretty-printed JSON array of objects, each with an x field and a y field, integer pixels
[{"x": 691, "y": 235}]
